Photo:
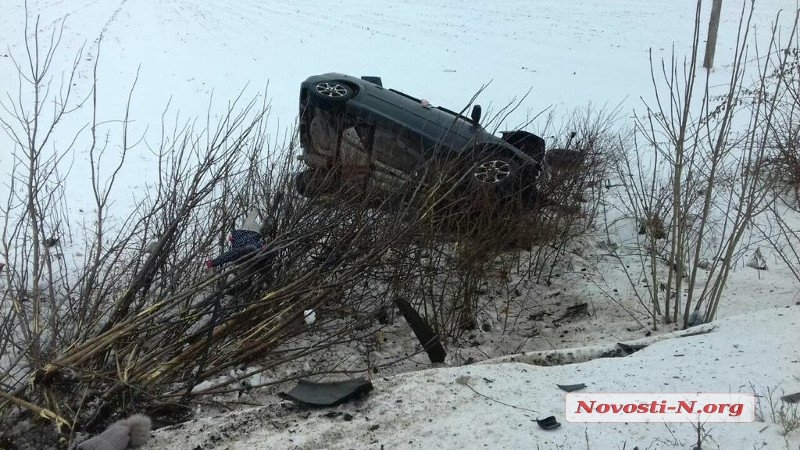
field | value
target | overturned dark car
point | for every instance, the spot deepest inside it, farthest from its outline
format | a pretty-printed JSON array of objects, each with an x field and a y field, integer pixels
[{"x": 357, "y": 134}]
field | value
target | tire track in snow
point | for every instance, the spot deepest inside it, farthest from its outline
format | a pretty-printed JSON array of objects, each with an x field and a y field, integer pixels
[{"x": 91, "y": 53}]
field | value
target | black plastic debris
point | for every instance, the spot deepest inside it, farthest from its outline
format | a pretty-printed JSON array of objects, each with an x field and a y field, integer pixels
[
  {"x": 548, "y": 423},
  {"x": 571, "y": 387},
  {"x": 423, "y": 331},
  {"x": 791, "y": 398},
  {"x": 629, "y": 349},
  {"x": 333, "y": 393}
]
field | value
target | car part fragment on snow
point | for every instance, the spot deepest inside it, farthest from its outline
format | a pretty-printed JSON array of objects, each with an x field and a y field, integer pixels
[
  {"x": 629, "y": 349},
  {"x": 758, "y": 261},
  {"x": 332, "y": 393},
  {"x": 423, "y": 331},
  {"x": 548, "y": 423},
  {"x": 582, "y": 354},
  {"x": 791, "y": 398},
  {"x": 122, "y": 434},
  {"x": 571, "y": 387}
]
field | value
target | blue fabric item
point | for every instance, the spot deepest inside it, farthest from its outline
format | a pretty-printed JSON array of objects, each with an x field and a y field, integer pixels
[
  {"x": 243, "y": 242},
  {"x": 245, "y": 238}
]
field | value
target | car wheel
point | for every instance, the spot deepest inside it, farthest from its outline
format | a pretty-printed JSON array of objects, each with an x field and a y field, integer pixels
[
  {"x": 501, "y": 182},
  {"x": 494, "y": 172},
  {"x": 302, "y": 183},
  {"x": 313, "y": 182},
  {"x": 334, "y": 91}
]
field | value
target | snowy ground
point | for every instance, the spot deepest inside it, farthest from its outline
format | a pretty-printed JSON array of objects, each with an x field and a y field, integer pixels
[
  {"x": 193, "y": 54},
  {"x": 430, "y": 409},
  {"x": 567, "y": 54}
]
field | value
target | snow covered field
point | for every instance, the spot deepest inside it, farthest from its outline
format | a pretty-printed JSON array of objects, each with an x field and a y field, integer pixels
[
  {"x": 567, "y": 54},
  {"x": 198, "y": 55}
]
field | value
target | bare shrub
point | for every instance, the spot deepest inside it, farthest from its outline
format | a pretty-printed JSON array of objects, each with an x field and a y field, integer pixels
[
  {"x": 784, "y": 138},
  {"x": 697, "y": 174},
  {"x": 457, "y": 254},
  {"x": 783, "y": 165},
  {"x": 136, "y": 321},
  {"x": 781, "y": 412}
]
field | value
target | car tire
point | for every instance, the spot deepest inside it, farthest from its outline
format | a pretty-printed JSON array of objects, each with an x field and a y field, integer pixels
[
  {"x": 502, "y": 182},
  {"x": 302, "y": 183},
  {"x": 310, "y": 183},
  {"x": 332, "y": 91},
  {"x": 494, "y": 171}
]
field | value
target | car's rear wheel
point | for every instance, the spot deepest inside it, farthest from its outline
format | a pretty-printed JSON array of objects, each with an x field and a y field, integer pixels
[{"x": 332, "y": 90}]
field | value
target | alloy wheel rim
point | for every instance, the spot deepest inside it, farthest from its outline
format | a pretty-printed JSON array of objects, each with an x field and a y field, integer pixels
[
  {"x": 492, "y": 172},
  {"x": 331, "y": 89}
]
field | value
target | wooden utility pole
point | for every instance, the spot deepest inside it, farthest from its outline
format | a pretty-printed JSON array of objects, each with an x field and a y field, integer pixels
[{"x": 711, "y": 41}]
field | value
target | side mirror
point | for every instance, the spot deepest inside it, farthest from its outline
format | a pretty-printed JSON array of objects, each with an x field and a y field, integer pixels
[{"x": 476, "y": 115}]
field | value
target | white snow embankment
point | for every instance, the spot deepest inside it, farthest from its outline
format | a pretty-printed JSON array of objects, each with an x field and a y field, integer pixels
[{"x": 430, "y": 409}]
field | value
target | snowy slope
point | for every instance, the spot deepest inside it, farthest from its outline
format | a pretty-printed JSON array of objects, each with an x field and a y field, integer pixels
[
  {"x": 429, "y": 409},
  {"x": 194, "y": 56},
  {"x": 565, "y": 53}
]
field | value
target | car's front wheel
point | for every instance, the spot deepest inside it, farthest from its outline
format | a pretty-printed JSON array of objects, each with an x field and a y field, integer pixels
[
  {"x": 313, "y": 182},
  {"x": 493, "y": 172},
  {"x": 501, "y": 181}
]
